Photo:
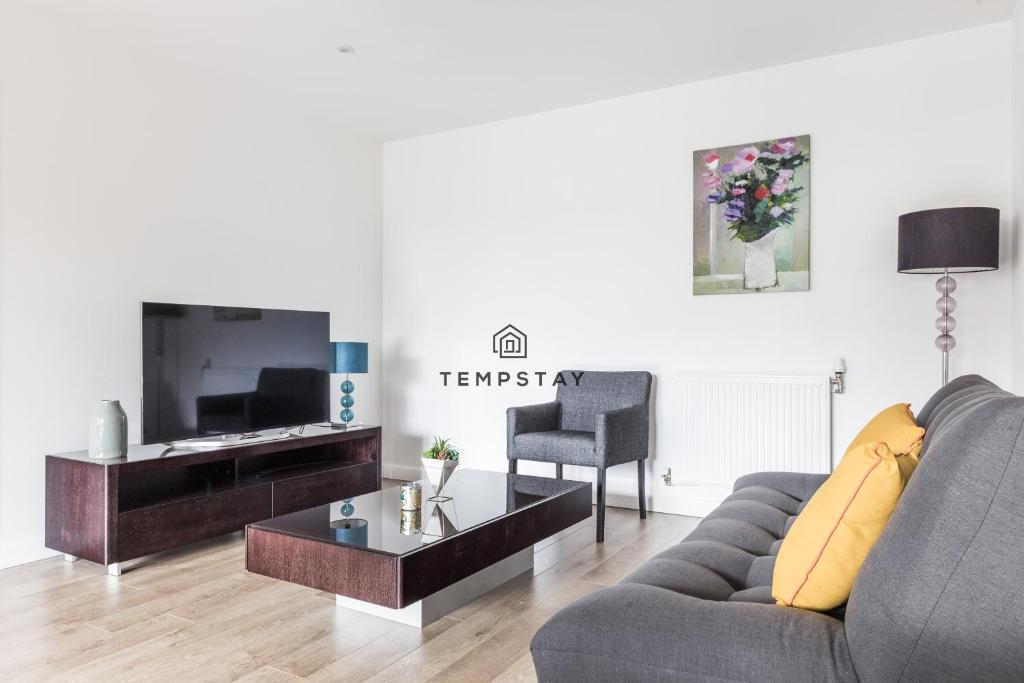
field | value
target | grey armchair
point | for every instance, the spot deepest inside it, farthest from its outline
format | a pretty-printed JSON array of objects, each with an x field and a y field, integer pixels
[{"x": 601, "y": 422}]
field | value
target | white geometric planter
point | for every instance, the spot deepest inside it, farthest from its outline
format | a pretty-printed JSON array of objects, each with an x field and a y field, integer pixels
[{"x": 437, "y": 474}]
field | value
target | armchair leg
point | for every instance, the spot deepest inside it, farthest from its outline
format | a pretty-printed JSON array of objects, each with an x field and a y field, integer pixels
[
  {"x": 640, "y": 473},
  {"x": 558, "y": 470},
  {"x": 513, "y": 466},
  {"x": 600, "y": 504}
]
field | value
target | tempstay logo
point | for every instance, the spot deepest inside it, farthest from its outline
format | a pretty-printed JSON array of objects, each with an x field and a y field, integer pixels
[
  {"x": 467, "y": 378},
  {"x": 508, "y": 343}
]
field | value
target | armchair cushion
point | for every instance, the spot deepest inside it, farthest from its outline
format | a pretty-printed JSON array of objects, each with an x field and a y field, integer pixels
[
  {"x": 636, "y": 632},
  {"x": 565, "y": 447}
]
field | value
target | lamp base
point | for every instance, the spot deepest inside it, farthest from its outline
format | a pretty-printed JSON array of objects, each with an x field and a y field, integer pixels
[
  {"x": 342, "y": 426},
  {"x": 945, "y": 323}
]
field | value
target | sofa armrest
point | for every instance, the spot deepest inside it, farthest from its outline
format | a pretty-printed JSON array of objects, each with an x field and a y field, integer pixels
[
  {"x": 636, "y": 632},
  {"x": 799, "y": 485},
  {"x": 621, "y": 435}
]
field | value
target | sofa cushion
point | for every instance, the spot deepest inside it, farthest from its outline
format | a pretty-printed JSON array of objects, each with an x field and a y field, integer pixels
[
  {"x": 761, "y": 569},
  {"x": 731, "y": 553},
  {"x": 727, "y": 561},
  {"x": 777, "y": 499},
  {"x": 634, "y": 633}
]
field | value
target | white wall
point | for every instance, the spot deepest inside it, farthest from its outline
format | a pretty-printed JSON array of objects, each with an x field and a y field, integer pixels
[
  {"x": 124, "y": 178},
  {"x": 575, "y": 225},
  {"x": 1018, "y": 196}
]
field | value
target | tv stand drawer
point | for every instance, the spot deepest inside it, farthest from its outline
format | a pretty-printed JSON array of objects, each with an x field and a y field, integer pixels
[
  {"x": 326, "y": 486},
  {"x": 151, "y": 529}
]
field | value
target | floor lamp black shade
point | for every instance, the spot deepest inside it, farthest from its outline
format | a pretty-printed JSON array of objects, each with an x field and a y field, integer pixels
[{"x": 958, "y": 240}]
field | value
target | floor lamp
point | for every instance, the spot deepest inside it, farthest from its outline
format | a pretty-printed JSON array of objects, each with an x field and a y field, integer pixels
[{"x": 944, "y": 241}]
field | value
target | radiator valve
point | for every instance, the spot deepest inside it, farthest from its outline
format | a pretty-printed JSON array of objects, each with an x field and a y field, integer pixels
[{"x": 838, "y": 373}]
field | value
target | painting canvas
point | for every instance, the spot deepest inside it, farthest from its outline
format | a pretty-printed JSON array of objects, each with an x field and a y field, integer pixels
[{"x": 751, "y": 217}]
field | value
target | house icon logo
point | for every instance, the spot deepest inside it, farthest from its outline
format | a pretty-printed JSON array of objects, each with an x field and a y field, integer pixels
[{"x": 509, "y": 342}]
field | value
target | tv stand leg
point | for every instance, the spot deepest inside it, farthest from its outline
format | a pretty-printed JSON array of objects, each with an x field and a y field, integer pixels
[
  {"x": 114, "y": 569},
  {"x": 70, "y": 558}
]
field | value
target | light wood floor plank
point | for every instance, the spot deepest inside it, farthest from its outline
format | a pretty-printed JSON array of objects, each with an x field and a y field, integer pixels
[{"x": 195, "y": 614}]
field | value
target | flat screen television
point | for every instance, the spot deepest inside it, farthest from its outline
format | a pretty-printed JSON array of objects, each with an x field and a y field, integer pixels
[{"x": 209, "y": 370}]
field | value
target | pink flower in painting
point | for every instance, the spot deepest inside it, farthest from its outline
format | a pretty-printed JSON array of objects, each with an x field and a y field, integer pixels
[
  {"x": 737, "y": 191},
  {"x": 781, "y": 183},
  {"x": 786, "y": 147},
  {"x": 711, "y": 159},
  {"x": 745, "y": 159},
  {"x": 710, "y": 180}
]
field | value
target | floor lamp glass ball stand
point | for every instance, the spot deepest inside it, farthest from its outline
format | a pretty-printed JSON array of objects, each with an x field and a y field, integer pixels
[
  {"x": 348, "y": 358},
  {"x": 943, "y": 241}
]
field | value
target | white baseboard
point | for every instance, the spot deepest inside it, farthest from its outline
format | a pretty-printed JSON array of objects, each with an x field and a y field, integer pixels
[
  {"x": 690, "y": 507},
  {"x": 23, "y": 551},
  {"x": 401, "y": 472}
]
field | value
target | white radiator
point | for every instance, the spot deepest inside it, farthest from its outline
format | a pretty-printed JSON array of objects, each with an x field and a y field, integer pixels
[{"x": 725, "y": 426}]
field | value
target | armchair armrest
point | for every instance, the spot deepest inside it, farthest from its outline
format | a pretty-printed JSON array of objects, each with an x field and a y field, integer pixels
[
  {"x": 621, "y": 435},
  {"x": 635, "y": 632},
  {"x": 542, "y": 417}
]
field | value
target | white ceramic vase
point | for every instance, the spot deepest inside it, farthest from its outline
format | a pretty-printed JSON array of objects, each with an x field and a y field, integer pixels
[
  {"x": 437, "y": 473},
  {"x": 759, "y": 271},
  {"x": 108, "y": 435}
]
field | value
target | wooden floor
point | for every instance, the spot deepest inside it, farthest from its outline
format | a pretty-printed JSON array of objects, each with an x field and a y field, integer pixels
[{"x": 195, "y": 614}]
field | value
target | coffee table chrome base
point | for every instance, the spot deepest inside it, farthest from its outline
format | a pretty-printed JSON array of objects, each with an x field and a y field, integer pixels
[{"x": 447, "y": 600}]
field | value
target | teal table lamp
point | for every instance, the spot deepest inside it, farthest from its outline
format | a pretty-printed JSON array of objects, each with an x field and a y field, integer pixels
[{"x": 347, "y": 358}]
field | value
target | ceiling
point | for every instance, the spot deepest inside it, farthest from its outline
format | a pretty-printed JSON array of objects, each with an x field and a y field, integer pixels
[{"x": 422, "y": 66}]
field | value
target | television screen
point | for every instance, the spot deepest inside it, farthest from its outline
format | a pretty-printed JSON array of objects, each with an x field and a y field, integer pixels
[{"x": 210, "y": 370}]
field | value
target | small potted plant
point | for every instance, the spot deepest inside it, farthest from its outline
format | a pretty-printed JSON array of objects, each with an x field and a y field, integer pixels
[{"x": 439, "y": 462}]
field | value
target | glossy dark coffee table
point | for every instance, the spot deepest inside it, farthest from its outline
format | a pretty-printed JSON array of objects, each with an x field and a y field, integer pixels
[{"x": 415, "y": 568}]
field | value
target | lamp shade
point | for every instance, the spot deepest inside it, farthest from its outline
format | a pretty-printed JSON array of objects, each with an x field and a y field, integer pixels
[
  {"x": 960, "y": 240},
  {"x": 348, "y": 357}
]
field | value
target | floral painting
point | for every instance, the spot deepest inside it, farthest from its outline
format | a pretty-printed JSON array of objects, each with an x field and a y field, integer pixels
[{"x": 751, "y": 217}]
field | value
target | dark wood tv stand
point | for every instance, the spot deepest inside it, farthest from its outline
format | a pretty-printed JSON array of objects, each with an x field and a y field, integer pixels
[{"x": 157, "y": 498}]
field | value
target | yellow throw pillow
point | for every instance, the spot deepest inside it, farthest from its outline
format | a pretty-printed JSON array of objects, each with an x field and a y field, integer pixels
[
  {"x": 827, "y": 544},
  {"x": 895, "y": 426}
]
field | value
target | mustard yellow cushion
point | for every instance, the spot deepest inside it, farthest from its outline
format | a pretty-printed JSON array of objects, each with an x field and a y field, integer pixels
[
  {"x": 827, "y": 544},
  {"x": 824, "y": 549},
  {"x": 895, "y": 427}
]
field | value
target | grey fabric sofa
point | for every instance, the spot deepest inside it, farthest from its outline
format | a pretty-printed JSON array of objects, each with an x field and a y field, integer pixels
[
  {"x": 600, "y": 420},
  {"x": 940, "y": 597}
]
